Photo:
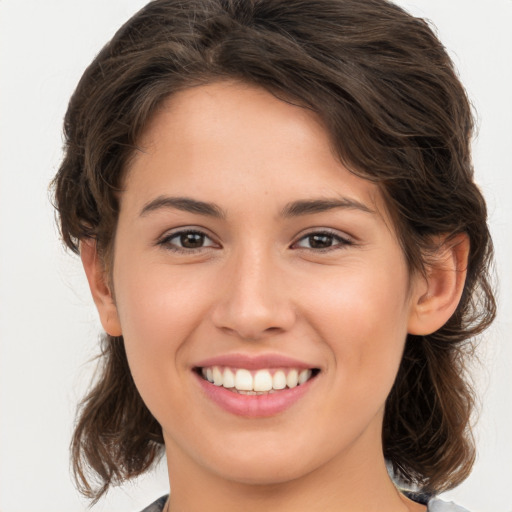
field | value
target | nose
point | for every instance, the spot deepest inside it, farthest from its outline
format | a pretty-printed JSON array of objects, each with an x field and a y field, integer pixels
[{"x": 253, "y": 301}]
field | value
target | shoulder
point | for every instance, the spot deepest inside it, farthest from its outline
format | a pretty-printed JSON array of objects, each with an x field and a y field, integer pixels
[
  {"x": 156, "y": 506},
  {"x": 437, "y": 505}
]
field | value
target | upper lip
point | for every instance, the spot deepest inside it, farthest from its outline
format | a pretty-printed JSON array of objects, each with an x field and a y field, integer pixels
[{"x": 254, "y": 362}]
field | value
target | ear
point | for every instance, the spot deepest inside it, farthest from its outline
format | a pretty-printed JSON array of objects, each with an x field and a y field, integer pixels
[
  {"x": 100, "y": 289},
  {"x": 437, "y": 295}
]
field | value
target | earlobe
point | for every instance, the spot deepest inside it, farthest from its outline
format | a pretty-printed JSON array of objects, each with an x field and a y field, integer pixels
[
  {"x": 100, "y": 289},
  {"x": 437, "y": 294}
]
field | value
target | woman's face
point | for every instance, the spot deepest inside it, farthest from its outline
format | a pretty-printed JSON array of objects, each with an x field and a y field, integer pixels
[{"x": 247, "y": 254}]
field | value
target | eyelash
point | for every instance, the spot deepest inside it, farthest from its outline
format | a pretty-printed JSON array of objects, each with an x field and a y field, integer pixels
[
  {"x": 340, "y": 242},
  {"x": 166, "y": 241}
]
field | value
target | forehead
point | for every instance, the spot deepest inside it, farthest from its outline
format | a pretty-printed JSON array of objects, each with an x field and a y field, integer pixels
[
  {"x": 234, "y": 140},
  {"x": 237, "y": 116}
]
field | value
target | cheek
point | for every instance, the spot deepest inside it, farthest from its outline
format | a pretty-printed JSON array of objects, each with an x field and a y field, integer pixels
[
  {"x": 154, "y": 297},
  {"x": 158, "y": 314},
  {"x": 158, "y": 311},
  {"x": 362, "y": 317}
]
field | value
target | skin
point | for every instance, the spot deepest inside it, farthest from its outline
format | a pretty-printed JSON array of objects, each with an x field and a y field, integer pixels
[{"x": 257, "y": 285}]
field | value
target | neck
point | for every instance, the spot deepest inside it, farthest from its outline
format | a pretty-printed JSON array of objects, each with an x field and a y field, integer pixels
[{"x": 347, "y": 483}]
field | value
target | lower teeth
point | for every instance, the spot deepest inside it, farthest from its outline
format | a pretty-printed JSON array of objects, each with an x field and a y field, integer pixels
[{"x": 234, "y": 390}]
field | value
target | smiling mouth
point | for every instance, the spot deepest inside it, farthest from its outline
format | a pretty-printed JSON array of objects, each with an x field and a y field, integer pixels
[{"x": 256, "y": 382}]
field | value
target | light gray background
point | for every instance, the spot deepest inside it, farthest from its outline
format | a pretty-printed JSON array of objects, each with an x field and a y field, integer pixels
[{"x": 48, "y": 328}]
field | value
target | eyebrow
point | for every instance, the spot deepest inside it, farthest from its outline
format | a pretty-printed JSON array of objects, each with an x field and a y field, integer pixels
[
  {"x": 308, "y": 207},
  {"x": 185, "y": 204},
  {"x": 293, "y": 209}
]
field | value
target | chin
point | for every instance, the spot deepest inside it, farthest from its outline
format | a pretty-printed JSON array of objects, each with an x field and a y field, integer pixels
[
  {"x": 263, "y": 474},
  {"x": 269, "y": 466}
]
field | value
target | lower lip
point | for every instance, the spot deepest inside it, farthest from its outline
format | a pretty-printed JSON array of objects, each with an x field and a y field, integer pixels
[{"x": 254, "y": 406}]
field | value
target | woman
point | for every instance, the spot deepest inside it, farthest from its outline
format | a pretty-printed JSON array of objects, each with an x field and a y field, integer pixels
[{"x": 275, "y": 209}]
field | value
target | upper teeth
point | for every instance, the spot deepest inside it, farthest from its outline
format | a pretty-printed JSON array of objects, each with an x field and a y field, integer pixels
[{"x": 258, "y": 381}]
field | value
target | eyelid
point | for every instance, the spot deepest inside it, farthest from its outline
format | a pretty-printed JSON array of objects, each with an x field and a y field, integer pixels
[
  {"x": 342, "y": 238},
  {"x": 165, "y": 239}
]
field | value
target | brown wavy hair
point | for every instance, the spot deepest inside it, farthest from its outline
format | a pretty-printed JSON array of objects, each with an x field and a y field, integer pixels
[{"x": 389, "y": 97}]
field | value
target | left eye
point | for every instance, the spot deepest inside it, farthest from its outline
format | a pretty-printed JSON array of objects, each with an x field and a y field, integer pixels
[
  {"x": 321, "y": 241},
  {"x": 188, "y": 240}
]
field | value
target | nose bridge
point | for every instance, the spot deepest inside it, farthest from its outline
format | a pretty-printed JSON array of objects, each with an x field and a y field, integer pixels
[{"x": 253, "y": 302}]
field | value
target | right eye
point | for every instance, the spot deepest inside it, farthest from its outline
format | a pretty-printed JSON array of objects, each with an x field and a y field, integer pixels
[{"x": 187, "y": 241}]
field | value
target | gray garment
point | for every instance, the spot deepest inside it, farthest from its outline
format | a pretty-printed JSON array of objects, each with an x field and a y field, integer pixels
[
  {"x": 434, "y": 505},
  {"x": 157, "y": 506}
]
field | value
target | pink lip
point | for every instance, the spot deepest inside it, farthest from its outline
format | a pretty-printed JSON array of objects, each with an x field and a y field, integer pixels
[
  {"x": 254, "y": 406},
  {"x": 253, "y": 362}
]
